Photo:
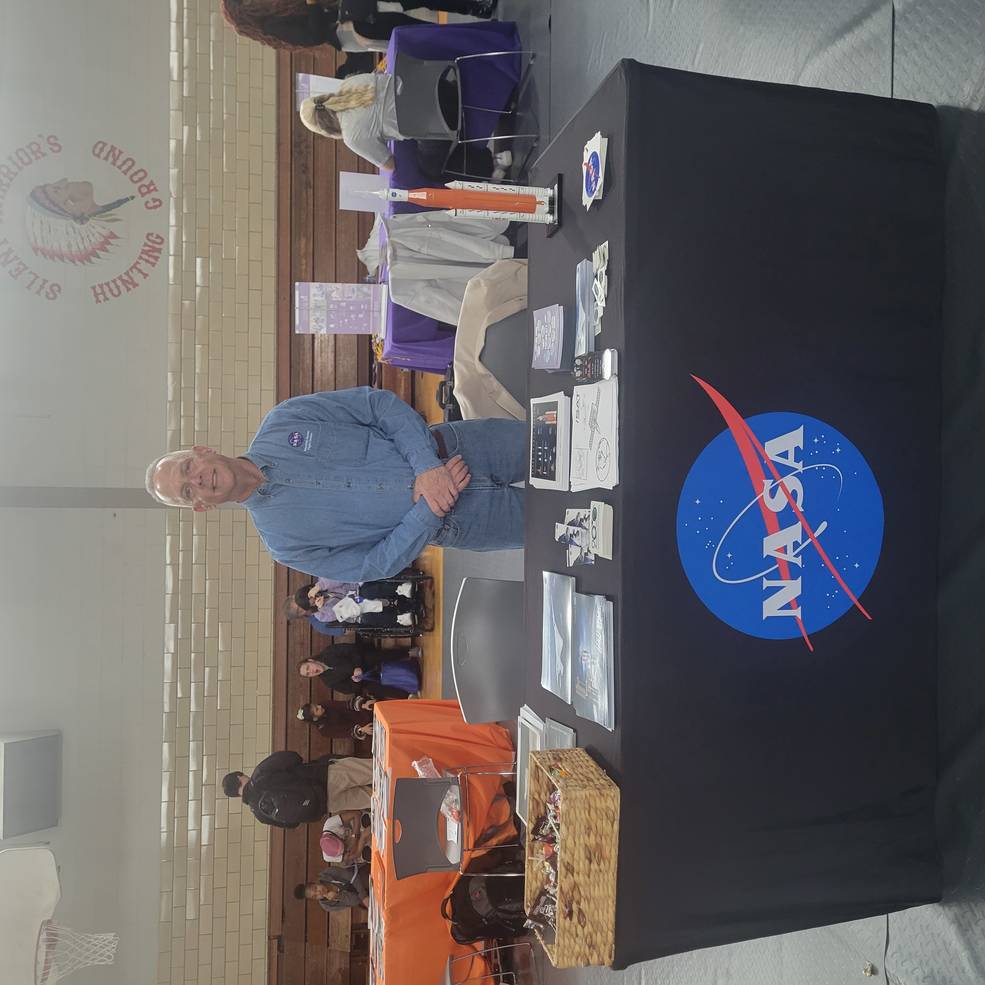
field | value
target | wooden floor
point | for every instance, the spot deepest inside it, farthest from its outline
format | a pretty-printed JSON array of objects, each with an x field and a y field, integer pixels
[{"x": 316, "y": 242}]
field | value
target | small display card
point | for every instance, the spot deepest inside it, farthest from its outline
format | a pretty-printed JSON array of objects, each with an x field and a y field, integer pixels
[{"x": 593, "y": 167}]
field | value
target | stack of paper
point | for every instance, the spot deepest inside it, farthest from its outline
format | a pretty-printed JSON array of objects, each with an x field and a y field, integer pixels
[
  {"x": 532, "y": 734},
  {"x": 595, "y": 436},
  {"x": 600, "y": 283},
  {"x": 593, "y": 167},
  {"x": 592, "y": 661},
  {"x": 555, "y": 668},
  {"x": 584, "y": 308},
  {"x": 575, "y": 534}
]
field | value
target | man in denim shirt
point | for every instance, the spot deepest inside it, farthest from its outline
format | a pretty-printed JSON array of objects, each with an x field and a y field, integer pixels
[{"x": 352, "y": 484}]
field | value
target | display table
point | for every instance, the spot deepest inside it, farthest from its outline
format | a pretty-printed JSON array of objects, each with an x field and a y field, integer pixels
[
  {"x": 776, "y": 263},
  {"x": 415, "y": 942},
  {"x": 411, "y": 340},
  {"x": 414, "y": 341}
]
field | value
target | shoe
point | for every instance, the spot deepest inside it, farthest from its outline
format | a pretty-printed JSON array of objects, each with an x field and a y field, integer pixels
[
  {"x": 405, "y": 589},
  {"x": 503, "y": 161}
]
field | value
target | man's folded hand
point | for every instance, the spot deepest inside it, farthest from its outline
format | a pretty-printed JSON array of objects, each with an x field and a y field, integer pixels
[{"x": 441, "y": 485}]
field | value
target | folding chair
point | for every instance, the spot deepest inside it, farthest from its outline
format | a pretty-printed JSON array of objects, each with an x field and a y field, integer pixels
[
  {"x": 420, "y": 837},
  {"x": 420, "y": 114}
]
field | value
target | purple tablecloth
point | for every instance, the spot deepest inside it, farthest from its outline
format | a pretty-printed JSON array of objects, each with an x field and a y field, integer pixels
[{"x": 411, "y": 340}]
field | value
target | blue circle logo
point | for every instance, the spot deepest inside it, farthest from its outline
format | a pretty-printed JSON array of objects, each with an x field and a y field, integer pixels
[
  {"x": 593, "y": 172},
  {"x": 294, "y": 439},
  {"x": 779, "y": 524}
]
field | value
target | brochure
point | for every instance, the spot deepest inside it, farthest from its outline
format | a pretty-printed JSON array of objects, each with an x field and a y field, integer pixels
[
  {"x": 555, "y": 670},
  {"x": 593, "y": 660},
  {"x": 550, "y": 442},
  {"x": 548, "y": 338}
]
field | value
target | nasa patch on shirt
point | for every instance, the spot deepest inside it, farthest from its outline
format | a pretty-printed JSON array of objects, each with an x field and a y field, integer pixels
[{"x": 300, "y": 440}]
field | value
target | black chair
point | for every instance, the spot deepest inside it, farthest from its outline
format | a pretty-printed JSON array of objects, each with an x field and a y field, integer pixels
[
  {"x": 423, "y": 590},
  {"x": 423, "y": 113},
  {"x": 501, "y": 964},
  {"x": 416, "y": 819},
  {"x": 418, "y": 833}
]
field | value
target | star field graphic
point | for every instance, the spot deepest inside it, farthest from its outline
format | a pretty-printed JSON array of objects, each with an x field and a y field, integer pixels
[{"x": 721, "y": 528}]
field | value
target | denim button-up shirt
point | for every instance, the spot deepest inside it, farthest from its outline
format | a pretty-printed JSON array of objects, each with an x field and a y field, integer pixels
[{"x": 338, "y": 497}]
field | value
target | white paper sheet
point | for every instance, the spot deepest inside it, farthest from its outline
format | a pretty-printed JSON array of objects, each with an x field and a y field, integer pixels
[{"x": 595, "y": 436}]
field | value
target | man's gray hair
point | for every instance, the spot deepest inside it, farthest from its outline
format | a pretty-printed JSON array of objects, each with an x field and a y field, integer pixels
[{"x": 150, "y": 479}]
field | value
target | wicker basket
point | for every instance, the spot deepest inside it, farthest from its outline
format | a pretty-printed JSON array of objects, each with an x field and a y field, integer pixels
[{"x": 587, "y": 853}]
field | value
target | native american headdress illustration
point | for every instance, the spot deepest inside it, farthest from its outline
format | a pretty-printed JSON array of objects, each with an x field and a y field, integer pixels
[{"x": 56, "y": 234}]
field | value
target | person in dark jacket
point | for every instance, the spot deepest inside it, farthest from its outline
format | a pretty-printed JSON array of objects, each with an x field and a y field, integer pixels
[
  {"x": 357, "y": 63},
  {"x": 354, "y": 668},
  {"x": 285, "y": 791},
  {"x": 338, "y": 887},
  {"x": 293, "y": 24},
  {"x": 375, "y": 25},
  {"x": 338, "y": 719}
]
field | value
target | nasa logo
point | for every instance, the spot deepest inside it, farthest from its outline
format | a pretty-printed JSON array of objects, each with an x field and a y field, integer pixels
[
  {"x": 294, "y": 439},
  {"x": 779, "y": 524},
  {"x": 593, "y": 170}
]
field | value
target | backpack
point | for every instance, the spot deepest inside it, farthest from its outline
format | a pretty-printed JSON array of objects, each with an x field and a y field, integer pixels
[
  {"x": 289, "y": 803},
  {"x": 484, "y": 906},
  {"x": 445, "y": 397}
]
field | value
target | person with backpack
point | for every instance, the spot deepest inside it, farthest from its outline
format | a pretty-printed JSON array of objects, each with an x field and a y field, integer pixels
[{"x": 285, "y": 791}]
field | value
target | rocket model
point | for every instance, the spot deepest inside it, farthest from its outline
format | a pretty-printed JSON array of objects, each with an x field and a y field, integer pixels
[{"x": 516, "y": 203}]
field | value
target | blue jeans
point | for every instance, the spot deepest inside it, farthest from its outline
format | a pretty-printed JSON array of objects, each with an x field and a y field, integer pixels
[{"x": 489, "y": 513}]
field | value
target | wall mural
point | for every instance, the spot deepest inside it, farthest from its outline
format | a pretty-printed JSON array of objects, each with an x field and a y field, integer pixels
[{"x": 80, "y": 226}]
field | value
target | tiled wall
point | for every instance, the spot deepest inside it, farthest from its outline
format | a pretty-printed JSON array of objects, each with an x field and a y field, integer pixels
[{"x": 221, "y": 352}]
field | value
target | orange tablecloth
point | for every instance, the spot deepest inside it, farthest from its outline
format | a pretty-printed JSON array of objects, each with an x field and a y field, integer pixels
[{"x": 416, "y": 942}]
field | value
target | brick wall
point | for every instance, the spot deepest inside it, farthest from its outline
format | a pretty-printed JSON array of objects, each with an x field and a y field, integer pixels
[{"x": 221, "y": 380}]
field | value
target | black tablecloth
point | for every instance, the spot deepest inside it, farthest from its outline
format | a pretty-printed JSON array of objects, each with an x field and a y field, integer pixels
[{"x": 785, "y": 247}]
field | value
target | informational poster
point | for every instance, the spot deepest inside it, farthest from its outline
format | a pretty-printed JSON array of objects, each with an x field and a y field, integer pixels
[
  {"x": 339, "y": 309},
  {"x": 357, "y": 191}
]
